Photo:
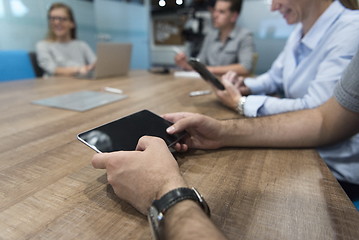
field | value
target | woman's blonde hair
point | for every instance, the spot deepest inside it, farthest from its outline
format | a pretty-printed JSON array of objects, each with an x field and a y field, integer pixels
[{"x": 351, "y": 4}]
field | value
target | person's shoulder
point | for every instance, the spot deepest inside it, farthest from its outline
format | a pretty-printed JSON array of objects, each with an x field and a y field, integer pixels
[
  {"x": 241, "y": 32},
  {"x": 348, "y": 24},
  {"x": 79, "y": 43},
  {"x": 244, "y": 31},
  {"x": 43, "y": 44},
  {"x": 349, "y": 17},
  {"x": 212, "y": 32}
]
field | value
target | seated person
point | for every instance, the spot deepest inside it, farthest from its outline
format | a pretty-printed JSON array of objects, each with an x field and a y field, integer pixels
[
  {"x": 60, "y": 53},
  {"x": 307, "y": 70},
  {"x": 227, "y": 47},
  {"x": 139, "y": 180}
]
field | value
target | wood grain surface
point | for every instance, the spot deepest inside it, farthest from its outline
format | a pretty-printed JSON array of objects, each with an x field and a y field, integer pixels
[{"x": 49, "y": 190}]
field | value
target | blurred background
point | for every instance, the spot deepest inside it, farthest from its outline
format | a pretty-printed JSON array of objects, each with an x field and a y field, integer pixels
[{"x": 154, "y": 27}]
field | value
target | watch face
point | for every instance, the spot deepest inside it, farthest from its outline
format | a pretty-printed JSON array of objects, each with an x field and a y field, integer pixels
[
  {"x": 159, "y": 207},
  {"x": 154, "y": 222},
  {"x": 202, "y": 202}
]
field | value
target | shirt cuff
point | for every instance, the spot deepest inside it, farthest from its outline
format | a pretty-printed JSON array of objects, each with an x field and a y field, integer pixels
[
  {"x": 253, "y": 104},
  {"x": 254, "y": 85}
]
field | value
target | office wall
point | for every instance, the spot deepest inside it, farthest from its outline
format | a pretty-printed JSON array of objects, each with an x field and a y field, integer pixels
[
  {"x": 24, "y": 22},
  {"x": 122, "y": 22}
]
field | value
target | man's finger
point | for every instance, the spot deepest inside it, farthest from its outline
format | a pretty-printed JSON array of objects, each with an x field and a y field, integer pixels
[
  {"x": 144, "y": 142},
  {"x": 99, "y": 160},
  {"x": 180, "y": 125},
  {"x": 174, "y": 117}
]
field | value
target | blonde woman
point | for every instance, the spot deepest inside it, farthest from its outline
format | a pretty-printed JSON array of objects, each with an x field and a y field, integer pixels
[{"x": 61, "y": 53}]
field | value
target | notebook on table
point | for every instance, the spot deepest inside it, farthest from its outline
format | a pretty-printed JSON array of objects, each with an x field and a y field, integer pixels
[{"x": 80, "y": 101}]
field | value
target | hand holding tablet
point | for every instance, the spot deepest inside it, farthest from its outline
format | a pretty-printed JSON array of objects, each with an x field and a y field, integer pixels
[
  {"x": 124, "y": 133},
  {"x": 205, "y": 74}
]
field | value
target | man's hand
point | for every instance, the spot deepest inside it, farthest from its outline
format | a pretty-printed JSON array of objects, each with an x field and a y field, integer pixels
[
  {"x": 141, "y": 176},
  {"x": 90, "y": 67},
  {"x": 181, "y": 61},
  {"x": 230, "y": 95},
  {"x": 82, "y": 71},
  {"x": 238, "y": 82},
  {"x": 203, "y": 132}
]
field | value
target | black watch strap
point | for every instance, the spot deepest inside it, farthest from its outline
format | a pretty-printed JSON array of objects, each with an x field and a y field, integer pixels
[{"x": 178, "y": 195}]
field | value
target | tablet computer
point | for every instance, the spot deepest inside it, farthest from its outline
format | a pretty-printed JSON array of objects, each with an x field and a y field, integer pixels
[
  {"x": 205, "y": 74},
  {"x": 124, "y": 133}
]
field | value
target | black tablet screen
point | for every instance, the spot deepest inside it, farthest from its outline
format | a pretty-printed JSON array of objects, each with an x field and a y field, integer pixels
[{"x": 124, "y": 133}]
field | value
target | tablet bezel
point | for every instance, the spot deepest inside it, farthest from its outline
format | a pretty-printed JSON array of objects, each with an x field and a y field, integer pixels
[
  {"x": 142, "y": 117},
  {"x": 205, "y": 73}
]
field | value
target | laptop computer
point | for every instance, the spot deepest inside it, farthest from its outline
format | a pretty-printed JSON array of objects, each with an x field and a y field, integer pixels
[{"x": 113, "y": 59}]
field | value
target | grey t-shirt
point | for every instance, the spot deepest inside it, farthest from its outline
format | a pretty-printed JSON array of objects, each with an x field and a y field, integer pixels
[
  {"x": 347, "y": 90},
  {"x": 344, "y": 161},
  {"x": 238, "y": 48},
  {"x": 75, "y": 53}
]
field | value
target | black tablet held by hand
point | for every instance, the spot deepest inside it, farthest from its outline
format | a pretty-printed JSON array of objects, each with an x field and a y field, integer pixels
[
  {"x": 124, "y": 133},
  {"x": 205, "y": 74}
]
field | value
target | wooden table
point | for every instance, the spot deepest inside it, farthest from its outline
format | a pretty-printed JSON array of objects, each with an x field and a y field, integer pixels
[{"x": 49, "y": 190}]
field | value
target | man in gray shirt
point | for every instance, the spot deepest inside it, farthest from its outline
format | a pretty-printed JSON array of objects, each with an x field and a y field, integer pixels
[{"x": 226, "y": 47}]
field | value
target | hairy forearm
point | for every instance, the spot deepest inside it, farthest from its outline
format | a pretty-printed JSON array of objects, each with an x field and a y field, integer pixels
[
  {"x": 220, "y": 70},
  {"x": 338, "y": 122},
  {"x": 183, "y": 64},
  {"x": 308, "y": 128},
  {"x": 186, "y": 220},
  {"x": 284, "y": 130},
  {"x": 66, "y": 71}
]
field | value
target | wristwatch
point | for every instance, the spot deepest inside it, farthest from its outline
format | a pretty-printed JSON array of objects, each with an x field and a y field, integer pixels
[
  {"x": 159, "y": 207},
  {"x": 240, "y": 106}
]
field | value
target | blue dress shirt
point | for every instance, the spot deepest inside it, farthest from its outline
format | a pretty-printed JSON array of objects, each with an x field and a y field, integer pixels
[
  {"x": 307, "y": 71},
  {"x": 308, "y": 68}
]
